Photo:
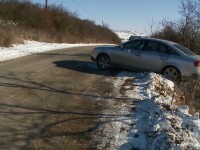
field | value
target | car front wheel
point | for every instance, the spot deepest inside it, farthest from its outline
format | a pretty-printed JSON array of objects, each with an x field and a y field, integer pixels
[
  {"x": 103, "y": 62},
  {"x": 171, "y": 73}
]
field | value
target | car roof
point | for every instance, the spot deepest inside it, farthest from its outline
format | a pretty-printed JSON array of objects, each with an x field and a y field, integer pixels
[{"x": 170, "y": 43}]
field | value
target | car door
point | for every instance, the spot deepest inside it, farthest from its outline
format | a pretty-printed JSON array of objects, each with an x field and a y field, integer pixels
[
  {"x": 153, "y": 56},
  {"x": 129, "y": 54}
]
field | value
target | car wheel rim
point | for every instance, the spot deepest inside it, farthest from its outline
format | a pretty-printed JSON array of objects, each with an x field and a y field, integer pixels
[
  {"x": 171, "y": 74},
  {"x": 104, "y": 63}
]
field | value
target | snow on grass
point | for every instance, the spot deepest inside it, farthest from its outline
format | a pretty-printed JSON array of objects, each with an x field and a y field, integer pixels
[
  {"x": 157, "y": 122},
  {"x": 32, "y": 47}
]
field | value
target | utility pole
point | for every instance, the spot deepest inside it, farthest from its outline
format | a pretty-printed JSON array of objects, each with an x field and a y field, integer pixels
[
  {"x": 46, "y": 3},
  {"x": 102, "y": 23}
]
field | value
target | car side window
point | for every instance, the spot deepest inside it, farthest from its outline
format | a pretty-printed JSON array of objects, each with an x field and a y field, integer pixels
[
  {"x": 137, "y": 45},
  {"x": 163, "y": 49},
  {"x": 172, "y": 52},
  {"x": 166, "y": 50},
  {"x": 151, "y": 46}
]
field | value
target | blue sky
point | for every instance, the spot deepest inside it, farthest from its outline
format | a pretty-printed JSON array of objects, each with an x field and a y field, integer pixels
[{"x": 133, "y": 15}]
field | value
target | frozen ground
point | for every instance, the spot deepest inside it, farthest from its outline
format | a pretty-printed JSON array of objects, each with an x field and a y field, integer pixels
[{"x": 157, "y": 123}]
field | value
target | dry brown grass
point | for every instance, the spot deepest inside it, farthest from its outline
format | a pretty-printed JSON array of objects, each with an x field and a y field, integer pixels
[
  {"x": 188, "y": 93},
  {"x": 9, "y": 35},
  {"x": 55, "y": 24}
]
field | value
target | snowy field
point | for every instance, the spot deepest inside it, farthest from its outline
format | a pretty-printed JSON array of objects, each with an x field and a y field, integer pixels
[{"x": 157, "y": 122}]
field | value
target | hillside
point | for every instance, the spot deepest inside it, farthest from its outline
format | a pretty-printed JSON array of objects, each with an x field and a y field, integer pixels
[
  {"x": 124, "y": 35},
  {"x": 21, "y": 21}
]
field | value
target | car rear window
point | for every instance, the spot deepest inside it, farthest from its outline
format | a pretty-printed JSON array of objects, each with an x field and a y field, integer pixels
[{"x": 184, "y": 49}]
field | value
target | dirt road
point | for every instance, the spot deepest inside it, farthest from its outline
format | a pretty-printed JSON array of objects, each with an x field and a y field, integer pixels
[{"x": 55, "y": 100}]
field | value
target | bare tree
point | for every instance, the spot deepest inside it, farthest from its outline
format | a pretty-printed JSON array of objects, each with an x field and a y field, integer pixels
[
  {"x": 190, "y": 23},
  {"x": 186, "y": 30}
]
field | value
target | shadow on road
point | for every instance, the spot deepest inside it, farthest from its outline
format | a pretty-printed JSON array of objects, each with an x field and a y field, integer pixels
[{"x": 85, "y": 67}]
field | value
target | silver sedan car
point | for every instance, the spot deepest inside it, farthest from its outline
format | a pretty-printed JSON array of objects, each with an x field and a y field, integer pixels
[{"x": 172, "y": 60}]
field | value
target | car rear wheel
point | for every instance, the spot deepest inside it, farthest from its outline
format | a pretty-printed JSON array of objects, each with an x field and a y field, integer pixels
[
  {"x": 171, "y": 73},
  {"x": 103, "y": 62}
]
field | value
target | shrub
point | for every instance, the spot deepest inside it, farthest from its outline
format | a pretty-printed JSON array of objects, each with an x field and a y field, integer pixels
[
  {"x": 55, "y": 24},
  {"x": 9, "y": 35},
  {"x": 188, "y": 93}
]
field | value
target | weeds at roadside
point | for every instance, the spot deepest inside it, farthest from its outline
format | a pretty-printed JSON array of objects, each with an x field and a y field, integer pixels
[{"x": 188, "y": 93}]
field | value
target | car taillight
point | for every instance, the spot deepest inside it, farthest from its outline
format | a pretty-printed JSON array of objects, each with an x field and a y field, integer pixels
[{"x": 197, "y": 63}]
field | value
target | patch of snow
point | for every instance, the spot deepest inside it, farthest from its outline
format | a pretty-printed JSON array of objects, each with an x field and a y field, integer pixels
[
  {"x": 157, "y": 122},
  {"x": 115, "y": 131},
  {"x": 32, "y": 47}
]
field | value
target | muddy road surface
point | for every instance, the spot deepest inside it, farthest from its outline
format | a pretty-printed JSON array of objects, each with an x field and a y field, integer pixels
[{"x": 56, "y": 100}]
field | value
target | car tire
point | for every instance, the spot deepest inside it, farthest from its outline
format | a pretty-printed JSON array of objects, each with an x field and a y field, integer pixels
[
  {"x": 171, "y": 73},
  {"x": 103, "y": 62}
]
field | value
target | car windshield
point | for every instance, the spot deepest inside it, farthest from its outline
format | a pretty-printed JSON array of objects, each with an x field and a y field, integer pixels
[{"x": 184, "y": 49}]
